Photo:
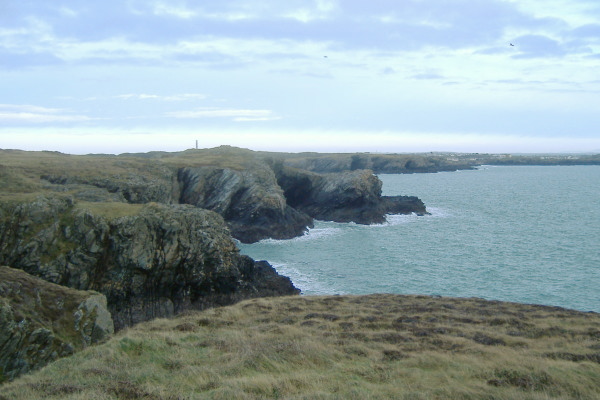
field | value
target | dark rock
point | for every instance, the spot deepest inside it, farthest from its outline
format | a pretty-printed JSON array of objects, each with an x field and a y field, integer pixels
[
  {"x": 352, "y": 196},
  {"x": 403, "y": 205},
  {"x": 256, "y": 195},
  {"x": 155, "y": 262},
  {"x": 250, "y": 200},
  {"x": 41, "y": 322}
]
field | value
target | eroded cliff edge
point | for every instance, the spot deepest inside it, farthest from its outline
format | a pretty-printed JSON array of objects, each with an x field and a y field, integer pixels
[
  {"x": 349, "y": 196},
  {"x": 258, "y": 196},
  {"x": 153, "y": 232},
  {"x": 152, "y": 235},
  {"x": 151, "y": 260}
]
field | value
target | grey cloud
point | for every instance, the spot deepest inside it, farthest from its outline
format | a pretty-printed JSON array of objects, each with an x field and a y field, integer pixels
[
  {"x": 531, "y": 46},
  {"x": 10, "y": 60},
  {"x": 353, "y": 24},
  {"x": 587, "y": 31}
]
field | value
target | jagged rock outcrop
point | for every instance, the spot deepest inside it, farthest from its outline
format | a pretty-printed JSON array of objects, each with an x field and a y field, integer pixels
[
  {"x": 246, "y": 188},
  {"x": 150, "y": 261},
  {"x": 343, "y": 197},
  {"x": 41, "y": 322},
  {"x": 250, "y": 200}
]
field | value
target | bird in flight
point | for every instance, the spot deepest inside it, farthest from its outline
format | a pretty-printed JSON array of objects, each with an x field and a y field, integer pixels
[{"x": 512, "y": 44}]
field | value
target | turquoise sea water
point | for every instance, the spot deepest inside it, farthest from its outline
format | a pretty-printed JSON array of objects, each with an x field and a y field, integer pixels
[{"x": 524, "y": 234}]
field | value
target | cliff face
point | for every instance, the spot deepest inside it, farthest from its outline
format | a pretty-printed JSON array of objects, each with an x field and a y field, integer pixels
[
  {"x": 258, "y": 197},
  {"x": 41, "y": 322},
  {"x": 151, "y": 237},
  {"x": 154, "y": 234},
  {"x": 250, "y": 200},
  {"x": 150, "y": 261},
  {"x": 343, "y": 197}
]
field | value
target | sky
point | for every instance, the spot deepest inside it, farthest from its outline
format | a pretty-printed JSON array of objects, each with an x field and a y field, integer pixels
[{"x": 88, "y": 76}]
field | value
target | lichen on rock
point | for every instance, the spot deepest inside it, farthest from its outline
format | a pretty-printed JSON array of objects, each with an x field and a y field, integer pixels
[
  {"x": 155, "y": 262},
  {"x": 41, "y": 322}
]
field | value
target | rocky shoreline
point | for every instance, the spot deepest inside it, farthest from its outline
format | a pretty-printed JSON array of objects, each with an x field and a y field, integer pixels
[{"x": 152, "y": 236}]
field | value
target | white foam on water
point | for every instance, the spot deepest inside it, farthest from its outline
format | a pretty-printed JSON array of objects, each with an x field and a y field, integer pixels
[
  {"x": 305, "y": 282},
  {"x": 438, "y": 212},
  {"x": 311, "y": 234},
  {"x": 321, "y": 232},
  {"x": 399, "y": 219}
]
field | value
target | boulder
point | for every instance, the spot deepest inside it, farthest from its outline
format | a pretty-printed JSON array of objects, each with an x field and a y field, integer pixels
[{"x": 41, "y": 322}]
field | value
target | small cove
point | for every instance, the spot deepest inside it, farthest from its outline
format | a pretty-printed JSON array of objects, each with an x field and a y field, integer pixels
[{"x": 525, "y": 234}]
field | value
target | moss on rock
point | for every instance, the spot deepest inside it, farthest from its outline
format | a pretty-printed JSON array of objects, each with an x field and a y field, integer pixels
[{"x": 41, "y": 322}]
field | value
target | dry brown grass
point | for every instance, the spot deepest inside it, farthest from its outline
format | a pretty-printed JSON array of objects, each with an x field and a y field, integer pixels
[
  {"x": 339, "y": 347},
  {"x": 22, "y": 172}
]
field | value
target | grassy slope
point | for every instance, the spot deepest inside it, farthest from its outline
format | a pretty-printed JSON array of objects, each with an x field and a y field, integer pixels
[
  {"x": 20, "y": 171},
  {"x": 339, "y": 347}
]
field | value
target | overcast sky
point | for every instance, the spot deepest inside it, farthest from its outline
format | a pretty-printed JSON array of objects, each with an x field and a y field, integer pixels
[{"x": 88, "y": 76}]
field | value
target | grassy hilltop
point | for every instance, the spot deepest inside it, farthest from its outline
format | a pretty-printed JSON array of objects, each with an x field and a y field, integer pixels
[{"x": 338, "y": 347}]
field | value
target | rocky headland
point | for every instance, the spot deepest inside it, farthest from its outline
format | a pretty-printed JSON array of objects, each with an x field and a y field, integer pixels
[
  {"x": 154, "y": 234},
  {"x": 348, "y": 196}
]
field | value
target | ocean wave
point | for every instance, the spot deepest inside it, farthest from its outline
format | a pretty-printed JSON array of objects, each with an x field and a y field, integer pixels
[
  {"x": 399, "y": 219},
  {"x": 305, "y": 282},
  {"x": 312, "y": 234},
  {"x": 439, "y": 212}
]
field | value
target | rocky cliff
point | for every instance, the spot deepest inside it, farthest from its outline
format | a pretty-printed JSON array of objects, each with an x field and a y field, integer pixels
[
  {"x": 148, "y": 260},
  {"x": 250, "y": 200},
  {"x": 41, "y": 322},
  {"x": 153, "y": 233},
  {"x": 254, "y": 193},
  {"x": 351, "y": 196},
  {"x": 151, "y": 236}
]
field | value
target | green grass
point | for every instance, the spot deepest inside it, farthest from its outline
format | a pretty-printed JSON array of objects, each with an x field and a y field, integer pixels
[
  {"x": 22, "y": 172},
  {"x": 339, "y": 347}
]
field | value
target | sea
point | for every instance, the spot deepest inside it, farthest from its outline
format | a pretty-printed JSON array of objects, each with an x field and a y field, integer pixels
[{"x": 527, "y": 234}]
